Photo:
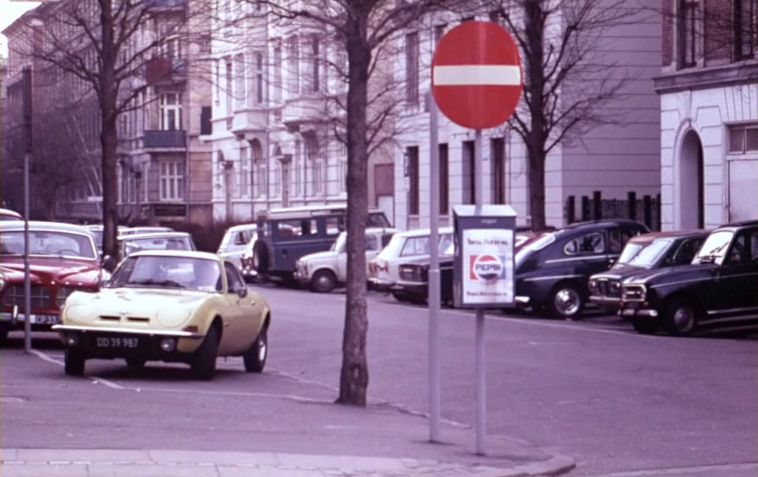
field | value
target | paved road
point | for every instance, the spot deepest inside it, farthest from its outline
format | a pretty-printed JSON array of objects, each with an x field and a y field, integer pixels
[
  {"x": 617, "y": 402},
  {"x": 594, "y": 390}
]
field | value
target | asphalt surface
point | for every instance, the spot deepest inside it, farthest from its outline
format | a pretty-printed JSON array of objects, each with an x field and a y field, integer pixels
[{"x": 616, "y": 402}]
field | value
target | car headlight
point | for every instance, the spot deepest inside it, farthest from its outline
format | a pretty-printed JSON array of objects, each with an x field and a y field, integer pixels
[{"x": 592, "y": 284}]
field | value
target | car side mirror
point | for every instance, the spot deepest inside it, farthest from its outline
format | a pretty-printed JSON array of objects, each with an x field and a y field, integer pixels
[{"x": 242, "y": 292}]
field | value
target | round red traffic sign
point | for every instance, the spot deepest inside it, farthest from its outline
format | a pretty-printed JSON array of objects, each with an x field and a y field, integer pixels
[{"x": 476, "y": 75}]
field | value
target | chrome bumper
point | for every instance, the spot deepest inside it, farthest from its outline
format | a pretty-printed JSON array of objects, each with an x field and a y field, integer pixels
[{"x": 129, "y": 331}]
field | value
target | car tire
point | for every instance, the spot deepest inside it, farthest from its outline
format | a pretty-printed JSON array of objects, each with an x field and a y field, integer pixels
[
  {"x": 135, "y": 363},
  {"x": 73, "y": 362},
  {"x": 255, "y": 357},
  {"x": 4, "y": 330},
  {"x": 566, "y": 301},
  {"x": 401, "y": 296},
  {"x": 204, "y": 361},
  {"x": 645, "y": 326},
  {"x": 260, "y": 258},
  {"x": 323, "y": 281},
  {"x": 680, "y": 318}
]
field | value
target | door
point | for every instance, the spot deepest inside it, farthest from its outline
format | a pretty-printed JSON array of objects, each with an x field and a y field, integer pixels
[
  {"x": 737, "y": 278},
  {"x": 238, "y": 325}
]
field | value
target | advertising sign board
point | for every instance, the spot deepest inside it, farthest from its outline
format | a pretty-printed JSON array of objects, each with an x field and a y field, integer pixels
[{"x": 487, "y": 267}]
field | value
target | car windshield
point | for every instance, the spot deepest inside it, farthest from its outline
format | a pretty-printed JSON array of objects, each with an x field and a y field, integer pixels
[
  {"x": 50, "y": 243},
  {"x": 650, "y": 254},
  {"x": 714, "y": 247},
  {"x": 630, "y": 250},
  {"x": 420, "y": 245},
  {"x": 340, "y": 244},
  {"x": 157, "y": 243},
  {"x": 534, "y": 246},
  {"x": 188, "y": 273}
]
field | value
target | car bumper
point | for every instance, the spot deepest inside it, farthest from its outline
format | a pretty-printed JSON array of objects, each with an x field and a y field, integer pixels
[
  {"x": 41, "y": 320},
  {"x": 632, "y": 312},
  {"x": 301, "y": 277},
  {"x": 605, "y": 301},
  {"x": 113, "y": 342},
  {"x": 380, "y": 285},
  {"x": 415, "y": 288}
]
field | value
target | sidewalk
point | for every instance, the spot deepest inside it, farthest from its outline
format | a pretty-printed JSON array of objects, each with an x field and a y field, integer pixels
[{"x": 330, "y": 441}]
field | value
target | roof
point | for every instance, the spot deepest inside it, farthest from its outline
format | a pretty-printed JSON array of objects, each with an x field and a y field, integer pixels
[
  {"x": 306, "y": 211},
  {"x": 235, "y": 228},
  {"x": 649, "y": 237},
  {"x": 424, "y": 232},
  {"x": 14, "y": 225},
  {"x": 149, "y": 235},
  {"x": 176, "y": 253},
  {"x": 7, "y": 213}
]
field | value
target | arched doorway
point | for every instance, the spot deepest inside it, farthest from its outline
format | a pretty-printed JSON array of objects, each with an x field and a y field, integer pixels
[{"x": 692, "y": 197}]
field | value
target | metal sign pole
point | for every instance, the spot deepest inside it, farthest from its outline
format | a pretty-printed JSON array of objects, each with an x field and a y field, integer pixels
[
  {"x": 27, "y": 77},
  {"x": 433, "y": 293},
  {"x": 481, "y": 371}
]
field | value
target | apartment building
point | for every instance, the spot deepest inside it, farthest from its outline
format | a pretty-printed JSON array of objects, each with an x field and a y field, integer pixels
[
  {"x": 276, "y": 116},
  {"x": 708, "y": 88},
  {"x": 615, "y": 158}
]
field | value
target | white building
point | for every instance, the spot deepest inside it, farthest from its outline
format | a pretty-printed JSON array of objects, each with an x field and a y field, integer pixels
[
  {"x": 613, "y": 159},
  {"x": 709, "y": 114}
]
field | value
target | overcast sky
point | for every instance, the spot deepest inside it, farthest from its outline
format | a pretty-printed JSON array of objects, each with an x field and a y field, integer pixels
[{"x": 9, "y": 11}]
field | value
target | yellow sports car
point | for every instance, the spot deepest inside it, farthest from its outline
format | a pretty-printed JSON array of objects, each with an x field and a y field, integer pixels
[{"x": 178, "y": 306}]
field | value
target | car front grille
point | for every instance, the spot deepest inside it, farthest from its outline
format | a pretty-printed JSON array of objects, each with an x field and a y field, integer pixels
[
  {"x": 608, "y": 288},
  {"x": 14, "y": 295}
]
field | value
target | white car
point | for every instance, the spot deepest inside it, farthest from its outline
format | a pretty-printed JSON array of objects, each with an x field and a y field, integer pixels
[
  {"x": 236, "y": 241},
  {"x": 323, "y": 271},
  {"x": 405, "y": 247}
]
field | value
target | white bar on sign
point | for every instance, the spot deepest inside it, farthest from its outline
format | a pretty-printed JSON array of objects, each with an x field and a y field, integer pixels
[{"x": 477, "y": 75}]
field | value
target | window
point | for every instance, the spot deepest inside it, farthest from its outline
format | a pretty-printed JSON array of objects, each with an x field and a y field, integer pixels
[
  {"x": 171, "y": 180},
  {"x": 411, "y": 68},
  {"x": 171, "y": 47},
  {"x": 294, "y": 66},
  {"x": 244, "y": 172},
  {"x": 259, "y": 78},
  {"x": 170, "y": 111},
  {"x": 743, "y": 138},
  {"x": 439, "y": 30},
  {"x": 590, "y": 243},
  {"x": 687, "y": 25},
  {"x": 233, "y": 280},
  {"x": 239, "y": 86},
  {"x": 497, "y": 146},
  {"x": 617, "y": 238},
  {"x": 228, "y": 85},
  {"x": 296, "y": 228},
  {"x": 278, "y": 74},
  {"x": 335, "y": 225},
  {"x": 411, "y": 155},
  {"x": 315, "y": 80},
  {"x": 745, "y": 31},
  {"x": 444, "y": 182},
  {"x": 469, "y": 180}
]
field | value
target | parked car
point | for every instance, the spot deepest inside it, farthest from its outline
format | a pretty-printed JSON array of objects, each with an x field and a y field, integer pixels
[
  {"x": 406, "y": 247},
  {"x": 130, "y": 243},
  {"x": 718, "y": 290},
  {"x": 552, "y": 271},
  {"x": 174, "y": 306},
  {"x": 97, "y": 234},
  {"x": 62, "y": 259},
  {"x": 235, "y": 242},
  {"x": 323, "y": 271},
  {"x": 644, "y": 252},
  {"x": 285, "y": 235},
  {"x": 8, "y": 214}
]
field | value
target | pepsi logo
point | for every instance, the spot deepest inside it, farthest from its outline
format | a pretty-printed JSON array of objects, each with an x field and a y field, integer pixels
[{"x": 487, "y": 267}]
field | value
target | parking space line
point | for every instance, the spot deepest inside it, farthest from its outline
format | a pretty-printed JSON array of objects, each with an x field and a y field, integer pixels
[{"x": 95, "y": 379}]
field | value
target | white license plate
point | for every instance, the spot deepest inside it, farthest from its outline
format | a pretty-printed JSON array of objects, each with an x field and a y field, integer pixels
[{"x": 116, "y": 342}]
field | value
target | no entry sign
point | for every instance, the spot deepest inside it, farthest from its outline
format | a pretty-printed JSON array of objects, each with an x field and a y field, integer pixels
[{"x": 476, "y": 75}]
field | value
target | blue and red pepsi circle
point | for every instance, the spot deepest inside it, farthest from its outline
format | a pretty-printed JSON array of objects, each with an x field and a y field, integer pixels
[{"x": 486, "y": 267}]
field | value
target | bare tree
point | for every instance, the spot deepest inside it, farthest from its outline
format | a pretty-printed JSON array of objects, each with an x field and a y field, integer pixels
[
  {"x": 101, "y": 49},
  {"x": 365, "y": 29},
  {"x": 566, "y": 83}
]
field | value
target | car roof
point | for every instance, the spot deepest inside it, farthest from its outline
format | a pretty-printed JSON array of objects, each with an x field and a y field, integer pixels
[
  {"x": 744, "y": 223},
  {"x": 306, "y": 211},
  {"x": 424, "y": 232},
  {"x": 235, "y": 228},
  {"x": 149, "y": 235},
  {"x": 596, "y": 224},
  {"x": 10, "y": 213},
  {"x": 649, "y": 237},
  {"x": 176, "y": 253},
  {"x": 41, "y": 225},
  {"x": 381, "y": 230}
]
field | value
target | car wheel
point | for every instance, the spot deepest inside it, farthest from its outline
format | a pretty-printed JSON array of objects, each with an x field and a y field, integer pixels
[
  {"x": 74, "y": 362},
  {"x": 401, "y": 296},
  {"x": 136, "y": 363},
  {"x": 566, "y": 301},
  {"x": 255, "y": 357},
  {"x": 323, "y": 281},
  {"x": 204, "y": 361},
  {"x": 260, "y": 258},
  {"x": 645, "y": 327},
  {"x": 680, "y": 318},
  {"x": 3, "y": 335}
]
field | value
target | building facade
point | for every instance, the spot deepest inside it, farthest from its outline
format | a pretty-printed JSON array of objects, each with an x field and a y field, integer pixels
[
  {"x": 708, "y": 90},
  {"x": 615, "y": 158}
]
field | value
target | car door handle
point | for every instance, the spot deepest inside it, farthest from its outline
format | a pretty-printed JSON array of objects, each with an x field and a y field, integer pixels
[{"x": 252, "y": 302}]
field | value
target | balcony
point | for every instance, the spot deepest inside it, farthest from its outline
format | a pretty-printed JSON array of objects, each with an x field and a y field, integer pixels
[
  {"x": 163, "y": 70},
  {"x": 164, "y": 139},
  {"x": 165, "y": 5}
]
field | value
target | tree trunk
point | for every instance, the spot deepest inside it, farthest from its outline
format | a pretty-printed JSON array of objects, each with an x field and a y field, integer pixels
[
  {"x": 108, "y": 132},
  {"x": 534, "y": 26},
  {"x": 354, "y": 371}
]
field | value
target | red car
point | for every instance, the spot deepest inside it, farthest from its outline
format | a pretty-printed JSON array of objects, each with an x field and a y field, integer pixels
[{"x": 62, "y": 259}]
